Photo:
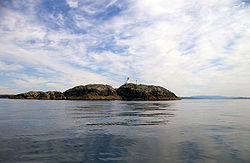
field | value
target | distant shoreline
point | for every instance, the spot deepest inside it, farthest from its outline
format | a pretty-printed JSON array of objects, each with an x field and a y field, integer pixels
[{"x": 213, "y": 97}]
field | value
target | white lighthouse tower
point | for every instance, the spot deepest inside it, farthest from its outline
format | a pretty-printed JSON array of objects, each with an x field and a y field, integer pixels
[{"x": 127, "y": 81}]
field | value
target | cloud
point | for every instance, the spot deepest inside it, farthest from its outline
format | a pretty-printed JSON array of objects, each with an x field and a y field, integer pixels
[
  {"x": 22, "y": 83},
  {"x": 190, "y": 47},
  {"x": 72, "y": 3},
  {"x": 188, "y": 43},
  {"x": 10, "y": 67},
  {"x": 56, "y": 86},
  {"x": 59, "y": 52},
  {"x": 6, "y": 90}
]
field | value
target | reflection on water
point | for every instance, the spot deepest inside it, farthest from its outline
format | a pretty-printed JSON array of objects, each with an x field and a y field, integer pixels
[
  {"x": 122, "y": 114},
  {"x": 87, "y": 148},
  {"x": 190, "y": 152},
  {"x": 119, "y": 131}
]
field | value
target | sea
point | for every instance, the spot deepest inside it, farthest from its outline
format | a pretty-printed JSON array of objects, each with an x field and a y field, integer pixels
[{"x": 188, "y": 131}]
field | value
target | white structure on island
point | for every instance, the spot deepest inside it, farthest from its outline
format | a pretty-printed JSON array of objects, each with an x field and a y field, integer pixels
[{"x": 127, "y": 81}]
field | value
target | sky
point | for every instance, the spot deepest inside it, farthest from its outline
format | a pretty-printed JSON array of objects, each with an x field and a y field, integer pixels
[{"x": 189, "y": 47}]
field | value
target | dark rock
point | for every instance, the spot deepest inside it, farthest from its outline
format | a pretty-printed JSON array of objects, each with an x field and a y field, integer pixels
[
  {"x": 56, "y": 95},
  {"x": 7, "y": 96},
  {"x": 51, "y": 95},
  {"x": 102, "y": 92},
  {"x": 31, "y": 95},
  {"x": 145, "y": 92},
  {"x": 92, "y": 92}
]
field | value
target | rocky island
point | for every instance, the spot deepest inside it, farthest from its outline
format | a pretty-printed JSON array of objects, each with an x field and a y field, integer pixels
[{"x": 127, "y": 91}]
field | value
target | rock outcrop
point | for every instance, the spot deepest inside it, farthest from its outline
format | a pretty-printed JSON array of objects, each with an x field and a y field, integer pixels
[
  {"x": 7, "y": 96},
  {"x": 145, "y": 92},
  {"x": 50, "y": 95},
  {"x": 102, "y": 92},
  {"x": 92, "y": 92}
]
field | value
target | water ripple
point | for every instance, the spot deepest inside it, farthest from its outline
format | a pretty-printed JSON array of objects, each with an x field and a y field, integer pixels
[{"x": 124, "y": 114}]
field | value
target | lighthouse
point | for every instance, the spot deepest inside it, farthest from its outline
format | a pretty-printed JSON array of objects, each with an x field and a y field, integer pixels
[{"x": 127, "y": 81}]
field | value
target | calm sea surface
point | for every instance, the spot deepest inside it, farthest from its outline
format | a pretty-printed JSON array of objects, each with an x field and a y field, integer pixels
[{"x": 121, "y": 131}]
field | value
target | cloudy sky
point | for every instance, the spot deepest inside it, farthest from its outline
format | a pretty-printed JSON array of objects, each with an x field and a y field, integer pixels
[{"x": 189, "y": 47}]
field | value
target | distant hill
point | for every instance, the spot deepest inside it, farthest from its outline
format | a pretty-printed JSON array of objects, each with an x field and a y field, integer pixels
[{"x": 213, "y": 97}]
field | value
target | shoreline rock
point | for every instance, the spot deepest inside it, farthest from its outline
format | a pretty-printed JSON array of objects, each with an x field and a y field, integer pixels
[
  {"x": 92, "y": 92},
  {"x": 39, "y": 95},
  {"x": 130, "y": 92}
]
